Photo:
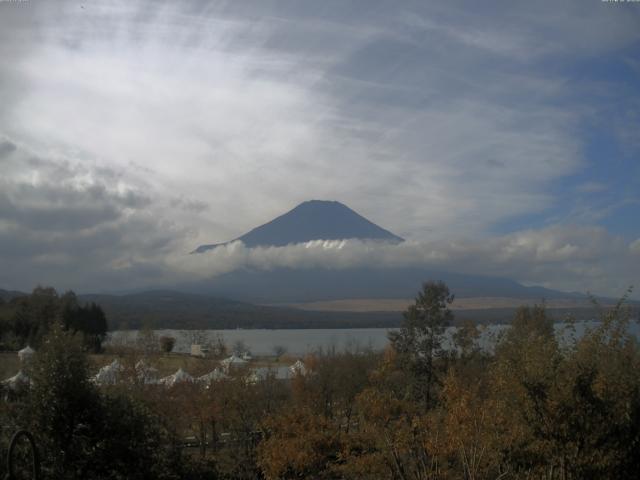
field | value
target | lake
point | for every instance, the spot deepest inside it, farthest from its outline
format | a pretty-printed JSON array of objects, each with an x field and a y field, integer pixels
[{"x": 302, "y": 341}]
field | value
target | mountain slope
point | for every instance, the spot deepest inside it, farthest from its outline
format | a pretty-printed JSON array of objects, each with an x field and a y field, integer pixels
[
  {"x": 179, "y": 310},
  {"x": 313, "y": 220},
  {"x": 285, "y": 285},
  {"x": 7, "y": 295}
]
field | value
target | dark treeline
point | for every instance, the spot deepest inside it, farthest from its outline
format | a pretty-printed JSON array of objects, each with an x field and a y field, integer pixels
[
  {"x": 183, "y": 311},
  {"x": 26, "y": 319},
  {"x": 531, "y": 409}
]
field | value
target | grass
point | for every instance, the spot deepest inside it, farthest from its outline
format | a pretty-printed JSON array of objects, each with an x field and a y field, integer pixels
[{"x": 9, "y": 365}]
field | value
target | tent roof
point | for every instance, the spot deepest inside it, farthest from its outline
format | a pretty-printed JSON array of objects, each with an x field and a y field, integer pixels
[
  {"x": 143, "y": 365},
  {"x": 178, "y": 377},
  {"x": 215, "y": 374},
  {"x": 233, "y": 359},
  {"x": 298, "y": 368},
  {"x": 17, "y": 379}
]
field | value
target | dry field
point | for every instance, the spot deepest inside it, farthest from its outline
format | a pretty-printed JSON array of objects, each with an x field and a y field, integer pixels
[
  {"x": 9, "y": 364},
  {"x": 398, "y": 305}
]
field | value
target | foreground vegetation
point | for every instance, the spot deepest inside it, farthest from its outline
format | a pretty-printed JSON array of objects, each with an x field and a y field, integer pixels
[{"x": 531, "y": 409}]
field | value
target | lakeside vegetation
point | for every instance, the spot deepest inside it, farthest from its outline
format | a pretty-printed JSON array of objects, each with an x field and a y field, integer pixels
[{"x": 531, "y": 409}]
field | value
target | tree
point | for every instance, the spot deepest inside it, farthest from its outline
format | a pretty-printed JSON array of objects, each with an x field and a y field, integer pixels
[
  {"x": 279, "y": 350},
  {"x": 299, "y": 445},
  {"x": 531, "y": 322},
  {"x": 568, "y": 412},
  {"x": 34, "y": 314},
  {"x": 63, "y": 401},
  {"x": 83, "y": 434},
  {"x": 147, "y": 340},
  {"x": 167, "y": 343},
  {"x": 88, "y": 319},
  {"x": 419, "y": 340},
  {"x": 465, "y": 340},
  {"x": 217, "y": 347},
  {"x": 240, "y": 348},
  {"x": 30, "y": 318}
]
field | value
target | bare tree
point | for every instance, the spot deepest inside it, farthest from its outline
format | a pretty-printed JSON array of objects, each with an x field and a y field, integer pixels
[{"x": 279, "y": 350}]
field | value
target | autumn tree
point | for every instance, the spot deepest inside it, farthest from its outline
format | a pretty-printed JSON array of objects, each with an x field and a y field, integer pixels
[
  {"x": 469, "y": 444},
  {"x": 299, "y": 445},
  {"x": 568, "y": 411}
]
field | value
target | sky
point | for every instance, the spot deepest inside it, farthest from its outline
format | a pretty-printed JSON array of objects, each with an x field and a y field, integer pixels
[{"x": 496, "y": 137}]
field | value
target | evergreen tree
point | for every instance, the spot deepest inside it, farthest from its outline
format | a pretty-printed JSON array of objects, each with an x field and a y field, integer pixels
[{"x": 419, "y": 340}]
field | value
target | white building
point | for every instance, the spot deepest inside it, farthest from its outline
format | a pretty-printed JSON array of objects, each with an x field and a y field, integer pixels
[
  {"x": 232, "y": 361},
  {"x": 25, "y": 354},
  {"x": 146, "y": 373},
  {"x": 198, "y": 350},
  {"x": 179, "y": 377},
  {"x": 264, "y": 373},
  {"x": 298, "y": 368},
  {"x": 109, "y": 374},
  {"x": 18, "y": 381},
  {"x": 213, "y": 376}
]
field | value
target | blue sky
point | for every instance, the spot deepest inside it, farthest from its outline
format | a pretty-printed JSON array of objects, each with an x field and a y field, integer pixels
[{"x": 133, "y": 131}]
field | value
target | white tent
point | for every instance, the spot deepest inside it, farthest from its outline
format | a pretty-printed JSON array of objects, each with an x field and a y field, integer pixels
[
  {"x": 232, "y": 361},
  {"x": 179, "y": 377},
  {"x": 261, "y": 374},
  {"x": 109, "y": 374},
  {"x": 298, "y": 368},
  {"x": 212, "y": 376},
  {"x": 26, "y": 353},
  {"x": 19, "y": 380},
  {"x": 146, "y": 373}
]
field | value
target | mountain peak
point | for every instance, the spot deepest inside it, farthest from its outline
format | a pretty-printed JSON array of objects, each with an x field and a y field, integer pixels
[{"x": 313, "y": 220}]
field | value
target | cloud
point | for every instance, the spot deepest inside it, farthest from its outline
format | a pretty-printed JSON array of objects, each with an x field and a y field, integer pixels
[
  {"x": 63, "y": 223},
  {"x": 591, "y": 187},
  {"x": 227, "y": 108},
  {"x": 133, "y": 131},
  {"x": 67, "y": 223},
  {"x": 6, "y": 147},
  {"x": 569, "y": 258}
]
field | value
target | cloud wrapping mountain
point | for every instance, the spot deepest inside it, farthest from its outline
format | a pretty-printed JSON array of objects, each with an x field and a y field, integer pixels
[{"x": 567, "y": 258}]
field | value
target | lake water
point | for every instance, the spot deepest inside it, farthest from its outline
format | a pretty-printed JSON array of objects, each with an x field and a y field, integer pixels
[{"x": 302, "y": 341}]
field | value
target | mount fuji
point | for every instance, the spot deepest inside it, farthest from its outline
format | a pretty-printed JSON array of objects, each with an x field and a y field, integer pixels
[
  {"x": 312, "y": 220},
  {"x": 331, "y": 220}
]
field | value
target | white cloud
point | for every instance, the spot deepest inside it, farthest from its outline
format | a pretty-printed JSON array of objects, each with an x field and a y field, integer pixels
[
  {"x": 162, "y": 127},
  {"x": 218, "y": 112},
  {"x": 568, "y": 258}
]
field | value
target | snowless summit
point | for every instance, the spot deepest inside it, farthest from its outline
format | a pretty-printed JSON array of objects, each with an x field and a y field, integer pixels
[{"x": 313, "y": 220}]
